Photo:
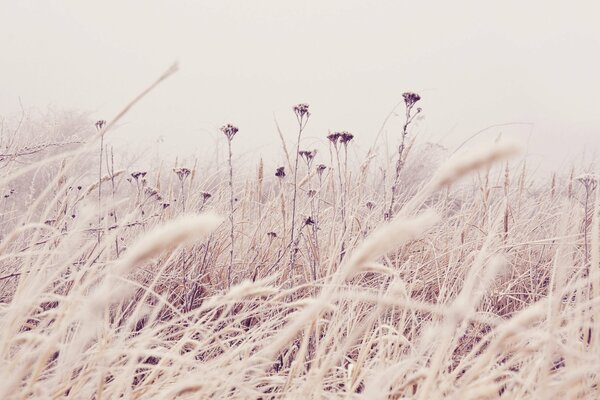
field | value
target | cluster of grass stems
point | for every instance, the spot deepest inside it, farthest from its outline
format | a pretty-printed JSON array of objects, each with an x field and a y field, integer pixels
[{"x": 469, "y": 285}]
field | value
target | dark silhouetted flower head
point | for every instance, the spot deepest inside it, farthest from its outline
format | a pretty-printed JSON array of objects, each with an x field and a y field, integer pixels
[
  {"x": 410, "y": 99},
  {"x": 271, "y": 235},
  {"x": 229, "y": 131},
  {"x": 346, "y": 137},
  {"x": 138, "y": 174},
  {"x": 205, "y": 196},
  {"x": 333, "y": 137},
  {"x": 321, "y": 168},
  {"x": 308, "y": 156},
  {"x": 182, "y": 173},
  {"x": 100, "y": 124},
  {"x": 309, "y": 221},
  {"x": 301, "y": 110},
  {"x": 370, "y": 205},
  {"x": 280, "y": 172}
]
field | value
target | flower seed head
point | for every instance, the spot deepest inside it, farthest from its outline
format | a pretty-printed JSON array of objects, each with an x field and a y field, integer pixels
[
  {"x": 410, "y": 99},
  {"x": 321, "y": 168},
  {"x": 138, "y": 174},
  {"x": 182, "y": 173},
  {"x": 589, "y": 181},
  {"x": 280, "y": 172},
  {"x": 346, "y": 137},
  {"x": 229, "y": 130},
  {"x": 152, "y": 192},
  {"x": 308, "y": 156},
  {"x": 333, "y": 137},
  {"x": 100, "y": 124},
  {"x": 301, "y": 110}
]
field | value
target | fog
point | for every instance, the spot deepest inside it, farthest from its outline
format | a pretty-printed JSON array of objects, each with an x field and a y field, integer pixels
[{"x": 530, "y": 67}]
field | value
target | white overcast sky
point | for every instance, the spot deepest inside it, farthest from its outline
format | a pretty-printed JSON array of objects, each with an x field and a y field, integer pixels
[{"x": 475, "y": 63}]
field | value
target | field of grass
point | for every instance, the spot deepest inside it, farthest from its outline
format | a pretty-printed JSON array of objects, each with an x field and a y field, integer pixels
[{"x": 324, "y": 278}]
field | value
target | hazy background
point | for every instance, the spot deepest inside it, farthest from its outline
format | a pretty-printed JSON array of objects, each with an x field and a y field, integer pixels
[{"x": 475, "y": 64}]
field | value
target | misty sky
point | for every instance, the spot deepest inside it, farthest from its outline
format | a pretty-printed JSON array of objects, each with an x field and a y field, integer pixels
[{"x": 474, "y": 63}]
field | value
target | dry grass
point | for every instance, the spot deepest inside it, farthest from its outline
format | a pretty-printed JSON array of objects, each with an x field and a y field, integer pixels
[{"x": 476, "y": 288}]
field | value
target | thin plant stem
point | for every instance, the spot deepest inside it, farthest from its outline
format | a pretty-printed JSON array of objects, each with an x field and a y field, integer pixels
[{"x": 231, "y": 210}]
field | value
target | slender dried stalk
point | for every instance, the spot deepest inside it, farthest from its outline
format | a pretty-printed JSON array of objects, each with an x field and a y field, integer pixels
[
  {"x": 410, "y": 99},
  {"x": 302, "y": 115},
  {"x": 231, "y": 211}
]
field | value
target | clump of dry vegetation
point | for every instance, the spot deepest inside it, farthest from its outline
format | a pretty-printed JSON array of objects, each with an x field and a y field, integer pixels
[{"x": 321, "y": 278}]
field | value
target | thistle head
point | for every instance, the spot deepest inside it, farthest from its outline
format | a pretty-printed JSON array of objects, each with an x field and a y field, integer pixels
[{"x": 229, "y": 130}]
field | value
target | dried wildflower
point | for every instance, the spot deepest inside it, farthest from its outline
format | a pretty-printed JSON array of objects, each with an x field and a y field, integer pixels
[
  {"x": 301, "y": 110},
  {"x": 280, "y": 172},
  {"x": 410, "y": 99},
  {"x": 589, "y": 181},
  {"x": 182, "y": 173},
  {"x": 346, "y": 137},
  {"x": 138, "y": 174},
  {"x": 100, "y": 124},
  {"x": 229, "y": 130},
  {"x": 309, "y": 221},
  {"x": 79, "y": 187},
  {"x": 153, "y": 192},
  {"x": 333, "y": 137},
  {"x": 308, "y": 156},
  {"x": 271, "y": 235},
  {"x": 311, "y": 193},
  {"x": 320, "y": 169},
  {"x": 164, "y": 205},
  {"x": 205, "y": 196},
  {"x": 370, "y": 205}
]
